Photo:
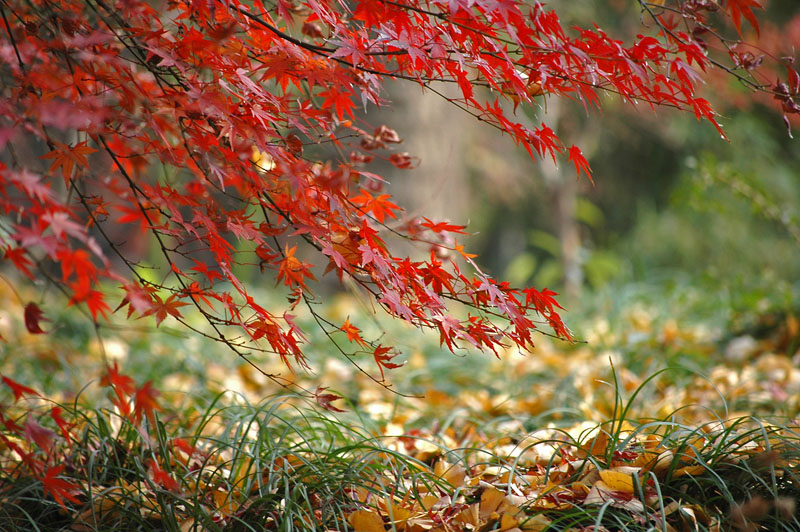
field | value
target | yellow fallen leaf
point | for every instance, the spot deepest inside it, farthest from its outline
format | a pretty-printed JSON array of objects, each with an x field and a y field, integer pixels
[
  {"x": 689, "y": 470},
  {"x": 468, "y": 516},
  {"x": 491, "y": 498},
  {"x": 594, "y": 447},
  {"x": 366, "y": 521},
  {"x": 601, "y": 493},
  {"x": 535, "y": 523},
  {"x": 399, "y": 515},
  {"x": 508, "y": 521},
  {"x": 453, "y": 474},
  {"x": 618, "y": 480},
  {"x": 428, "y": 501}
]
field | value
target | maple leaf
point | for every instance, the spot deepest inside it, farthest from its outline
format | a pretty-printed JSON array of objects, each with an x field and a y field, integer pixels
[
  {"x": 460, "y": 250},
  {"x": 20, "y": 260},
  {"x": 41, "y": 436},
  {"x": 340, "y": 100},
  {"x": 78, "y": 262},
  {"x": 59, "y": 488},
  {"x": 353, "y": 333},
  {"x": 66, "y": 157},
  {"x": 161, "y": 477},
  {"x": 383, "y": 357},
  {"x": 117, "y": 380},
  {"x": 63, "y": 426},
  {"x": 577, "y": 158},
  {"x": 163, "y": 308},
  {"x": 202, "y": 268},
  {"x": 743, "y": 8},
  {"x": 33, "y": 317},
  {"x": 61, "y": 225},
  {"x": 18, "y": 389},
  {"x": 324, "y": 399},
  {"x": 292, "y": 271},
  {"x": 122, "y": 385},
  {"x": 379, "y": 206},
  {"x": 94, "y": 299},
  {"x": 145, "y": 401},
  {"x": 443, "y": 226}
]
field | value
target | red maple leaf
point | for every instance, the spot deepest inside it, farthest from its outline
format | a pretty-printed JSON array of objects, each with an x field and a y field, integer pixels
[
  {"x": 379, "y": 206},
  {"x": 443, "y": 226},
  {"x": 58, "y": 487},
  {"x": 18, "y": 389},
  {"x": 324, "y": 399},
  {"x": 33, "y": 316},
  {"x": 123, "y": 387},
  {"x": 94, "y": 299},
  {"x": 65, "y": 427},
  {"x": 41, "y": 436},
  {"x": 145, "y": 401},
  {"x": 66, "y": 157},
  {"x": 163, "y": 308},
  {"x": 20, "y": 260},
  {"x": 383, "y": 357},
  {"x": 161, "y": 477},
  {"x": 576, "y": 157},
  {"x": 292, "y": 271},
  {"x": 743, "y": 8}
]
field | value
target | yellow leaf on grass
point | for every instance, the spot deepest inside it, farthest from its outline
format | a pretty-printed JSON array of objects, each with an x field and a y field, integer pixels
[
  {"x": 399, "y": 514},
  {"x": 689, "y": 470},
  {"x": 618, "y": 480},
  {"x": 491, "y": 498},
  {"x": 428, "y": 501},
  {"x": 453, "y": 474},
  {"x": 535, "y": 523},
  {"x": 508, "y": 521},
  {"x": 366, "y": 521},
  {"x": 594, "y": 447},
  {"x": 468, "y": 516}
]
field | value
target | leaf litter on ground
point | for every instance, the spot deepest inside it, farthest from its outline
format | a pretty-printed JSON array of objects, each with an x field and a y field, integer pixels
[{"x": 571, "y": 438}]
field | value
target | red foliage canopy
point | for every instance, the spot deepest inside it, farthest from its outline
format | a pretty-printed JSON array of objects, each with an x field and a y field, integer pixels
[{"x": 228, "y": 132}]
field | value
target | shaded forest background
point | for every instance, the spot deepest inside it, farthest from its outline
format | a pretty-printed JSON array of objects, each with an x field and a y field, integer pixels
[{"x": 672, "y": 202}]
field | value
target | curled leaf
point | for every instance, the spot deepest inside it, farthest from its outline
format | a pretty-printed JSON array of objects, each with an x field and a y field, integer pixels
[
  {"x": 324, "y": 399},
  {"x": 33, "y": 318}
]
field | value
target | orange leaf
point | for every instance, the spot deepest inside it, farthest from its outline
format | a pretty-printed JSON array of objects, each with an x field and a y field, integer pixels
[{"x": 353, "y": 333}]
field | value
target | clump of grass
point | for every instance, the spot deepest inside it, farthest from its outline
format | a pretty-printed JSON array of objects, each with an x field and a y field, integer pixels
[{"x": 282, "y": 465}]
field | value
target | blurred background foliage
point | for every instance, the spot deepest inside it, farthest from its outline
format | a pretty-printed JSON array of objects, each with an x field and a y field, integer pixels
[{"x": 671, "y": 199}]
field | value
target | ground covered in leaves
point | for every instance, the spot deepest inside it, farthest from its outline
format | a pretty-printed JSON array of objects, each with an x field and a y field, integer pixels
[{"x": 653, "y": 423}]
